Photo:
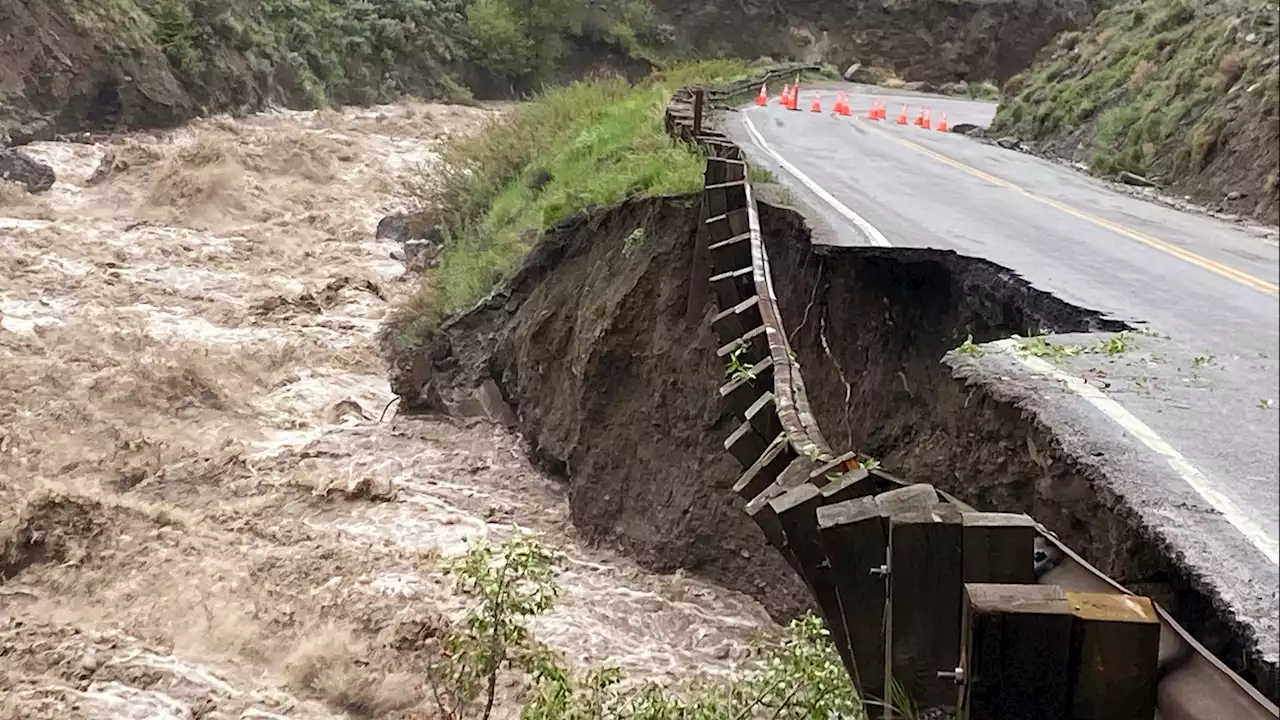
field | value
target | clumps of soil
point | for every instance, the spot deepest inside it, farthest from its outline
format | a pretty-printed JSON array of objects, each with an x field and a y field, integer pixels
[{"x": 615, "y": 388}]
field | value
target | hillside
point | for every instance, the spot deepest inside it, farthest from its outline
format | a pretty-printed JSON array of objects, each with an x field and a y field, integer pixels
[
  {"x": 935, "y": 40},
  {"x": 1184, "y": 93},
  {"x": 74, "y": 65}
]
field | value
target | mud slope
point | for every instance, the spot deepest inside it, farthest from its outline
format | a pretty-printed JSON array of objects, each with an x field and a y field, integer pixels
[
  {"x": 616, "y": 390},
  {"x": 870, "y": 327}
]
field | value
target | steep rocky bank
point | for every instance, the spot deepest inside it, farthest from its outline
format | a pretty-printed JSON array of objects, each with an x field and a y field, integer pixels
[{"x": 919, "y": 39}]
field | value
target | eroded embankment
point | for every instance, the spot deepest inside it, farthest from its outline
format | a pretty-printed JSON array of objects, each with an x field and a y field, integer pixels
[
  {"x": 615, "y": 387},
  {"x": 870, "y": 327}
]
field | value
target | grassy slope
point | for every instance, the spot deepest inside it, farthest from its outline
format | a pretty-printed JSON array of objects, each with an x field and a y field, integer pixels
[
  {"x": 1183, "y": 91},
  {"x": 334, "y": 49},
  {"x": 590, "y": 143},
  {"x": 169, "y": 60}
]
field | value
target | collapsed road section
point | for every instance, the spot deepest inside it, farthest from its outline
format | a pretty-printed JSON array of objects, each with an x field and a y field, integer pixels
[{"x": 614, "y": 364}]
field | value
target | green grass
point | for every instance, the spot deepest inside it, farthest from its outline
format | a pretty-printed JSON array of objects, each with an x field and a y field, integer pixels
[
  {"x": 346, "y": 51},
  {"x": 590, "y": 143},
  {"x": 1151, "y": 85}
]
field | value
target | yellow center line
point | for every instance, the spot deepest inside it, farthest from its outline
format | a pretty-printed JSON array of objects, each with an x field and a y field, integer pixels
[{"x": 1181, "y": 253}]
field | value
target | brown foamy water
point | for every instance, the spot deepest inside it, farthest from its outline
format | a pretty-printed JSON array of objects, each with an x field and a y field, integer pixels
[{"x": 190, "y": 394}]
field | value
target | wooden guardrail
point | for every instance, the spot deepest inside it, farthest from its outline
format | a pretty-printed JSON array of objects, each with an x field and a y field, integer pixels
[{"x": 986, "y": 614}]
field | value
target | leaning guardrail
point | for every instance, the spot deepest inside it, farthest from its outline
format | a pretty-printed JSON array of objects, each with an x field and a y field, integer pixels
[{"x": 985, "y": 614}]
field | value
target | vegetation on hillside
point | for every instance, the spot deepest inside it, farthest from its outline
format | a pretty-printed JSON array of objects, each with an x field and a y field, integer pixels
[
  {"x": 361, "y": 50},
  {"x": 1180, "y": 90},
  {"x": 797, "y": 677},
  {"x": 594, "y": 142}
]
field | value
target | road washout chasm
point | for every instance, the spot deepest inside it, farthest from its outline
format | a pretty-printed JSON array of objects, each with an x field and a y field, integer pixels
[
  {"x": 877, "y": 330},
  {"x": 204, "y": 512},
  {"x": 591, "y": 351}
]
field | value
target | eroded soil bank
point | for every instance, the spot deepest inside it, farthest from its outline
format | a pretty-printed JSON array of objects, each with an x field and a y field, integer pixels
[
  {"x": 203, "y": 512},
  {"x": 614, "y": 386}
]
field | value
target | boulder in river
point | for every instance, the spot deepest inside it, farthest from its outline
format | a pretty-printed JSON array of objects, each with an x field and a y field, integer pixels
[{"x": 17, "y": 166}]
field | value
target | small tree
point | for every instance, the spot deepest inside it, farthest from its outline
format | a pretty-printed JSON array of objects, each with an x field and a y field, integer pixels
[{"x": 512, "y": 583}]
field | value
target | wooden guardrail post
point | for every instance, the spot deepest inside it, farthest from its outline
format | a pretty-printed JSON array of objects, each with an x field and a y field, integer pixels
[
  {"x": 699, "y": 97},
  {"x": 855, "y": 535},
  {"x": 1015, "y": 654},
  {"x": 999, "y": 548},
  {"x": 925, "y": 596},
  {"x": 1115, "y": 642}
]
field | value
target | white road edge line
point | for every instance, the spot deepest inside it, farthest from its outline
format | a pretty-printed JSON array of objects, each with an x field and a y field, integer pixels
[
  {"x": 1190, "y": 474},
  {"x": 1252, "y": 531},
  {"x": 868, "y": 230}
]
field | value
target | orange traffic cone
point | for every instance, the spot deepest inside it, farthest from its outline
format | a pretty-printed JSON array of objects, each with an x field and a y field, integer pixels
[
  {"x": 902, "y": 117},
  {"x": 884, "y": 112},
  {"x": 926, "y": 122},
  {"x": 763, "y": 98},
  {"x": 816, "y": 105},
  {"x": 942, "y": 124},
  {"x": 874, "y": 112},
  {"x": 794, "y": 101},
  {"x": 843, "y": 107},
  {"x": 785, "y": 98}
]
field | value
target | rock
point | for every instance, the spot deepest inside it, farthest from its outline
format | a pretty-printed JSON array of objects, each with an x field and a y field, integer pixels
[
  {"x": 393, "y": 227},
  {"x": 540, "y": 178},
  {"x": 920, "y": 86},
  {"x": 969, "y": 129},
  {"x": 1009, "y": 142},
  {"x": 1129, "y": 178},
  {"x": 17, "y": 166},
  {"x": 1235, "y": 195},
  {"x": 867, "y": 75},
  {"x": 960, "y": 88},
  {"x": 420, "y": 252}
]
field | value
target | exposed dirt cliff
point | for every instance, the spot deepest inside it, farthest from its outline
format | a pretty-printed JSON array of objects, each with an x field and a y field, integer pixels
[
  {"x": 615, "y": 389},
  {"x": 936, "y": 40},
  {"x": 614, "y": 385}
]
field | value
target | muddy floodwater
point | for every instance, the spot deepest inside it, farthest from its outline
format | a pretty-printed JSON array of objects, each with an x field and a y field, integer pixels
[{"x": 203, "y": 511}]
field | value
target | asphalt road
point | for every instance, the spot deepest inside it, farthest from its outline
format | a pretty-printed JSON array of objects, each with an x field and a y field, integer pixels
[{"x": 1198, "y": 408}]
